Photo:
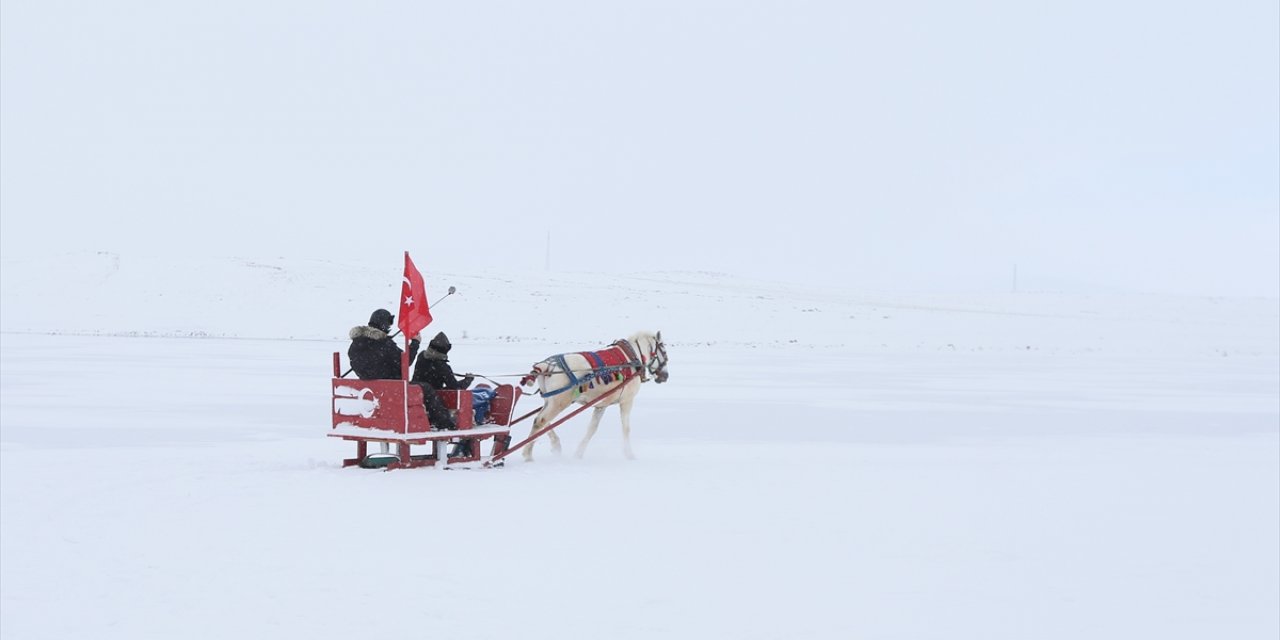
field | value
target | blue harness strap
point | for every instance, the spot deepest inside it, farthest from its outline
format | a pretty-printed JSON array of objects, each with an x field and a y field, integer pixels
[
  {"x": 599, "y": 369},
  {"x": 574, "y": 381}
]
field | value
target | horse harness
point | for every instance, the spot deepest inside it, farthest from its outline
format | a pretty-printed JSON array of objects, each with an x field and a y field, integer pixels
[{"x": 618, "y": 363}]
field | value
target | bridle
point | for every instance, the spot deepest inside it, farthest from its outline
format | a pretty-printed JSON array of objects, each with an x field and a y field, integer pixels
[
  {"x": 653, "y": 363},
  {"x": 657, "y": 364}
]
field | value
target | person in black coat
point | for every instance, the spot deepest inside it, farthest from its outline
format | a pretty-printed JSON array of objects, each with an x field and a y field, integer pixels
[
  {"x": 432, "y": 367},
  {"x": 433, "y": 373},
  {"x": 374, "y": 354}
]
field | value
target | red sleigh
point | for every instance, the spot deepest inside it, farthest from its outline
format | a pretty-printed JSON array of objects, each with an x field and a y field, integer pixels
[{"x": 390, "y": 412}]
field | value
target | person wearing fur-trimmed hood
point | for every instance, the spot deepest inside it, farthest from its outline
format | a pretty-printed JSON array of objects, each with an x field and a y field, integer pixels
[
  {"x": 432, "y": 366},
  {"x": 374, "y": 354},
  {"x": 433, "y": 372}
]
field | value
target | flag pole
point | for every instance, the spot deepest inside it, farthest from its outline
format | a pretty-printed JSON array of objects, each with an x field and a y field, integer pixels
[{"x": 404, "y": 360}]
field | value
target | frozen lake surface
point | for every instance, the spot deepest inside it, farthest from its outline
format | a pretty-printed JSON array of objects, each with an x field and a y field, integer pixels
[
  {"x": 822, "y": 464},
  {"x": 184, "y": 488}
]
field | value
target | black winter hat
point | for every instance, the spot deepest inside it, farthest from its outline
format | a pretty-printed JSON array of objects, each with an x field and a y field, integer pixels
[
  {"x": 440, "y": 343},
  {"x": 381, "y": 319}
]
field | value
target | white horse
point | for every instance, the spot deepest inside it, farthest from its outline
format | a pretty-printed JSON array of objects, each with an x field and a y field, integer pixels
[{"x": 567, "y": 378}]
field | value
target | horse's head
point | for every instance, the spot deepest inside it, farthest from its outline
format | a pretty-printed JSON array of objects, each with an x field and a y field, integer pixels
[
  {"x": 658, "y": 360},
  {"x": 648, "y": 348}
]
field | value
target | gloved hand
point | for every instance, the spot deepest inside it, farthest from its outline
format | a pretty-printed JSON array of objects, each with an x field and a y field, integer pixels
[{"x": 467, "y": 380}]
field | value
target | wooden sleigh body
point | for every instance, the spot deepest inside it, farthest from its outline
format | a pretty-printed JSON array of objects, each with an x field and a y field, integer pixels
[{"x": 391, "y": 413}]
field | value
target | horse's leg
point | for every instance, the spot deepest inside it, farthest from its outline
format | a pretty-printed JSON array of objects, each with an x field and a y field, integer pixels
[
  {"x": 552, "y": 435},
  {"x": 555, "y": 441},
  {"x": 538, "y": 422},
  {"x": 596, "y": 414},
  {"x": 545, "y": 416},
  {"x": 625, "y": 408}
]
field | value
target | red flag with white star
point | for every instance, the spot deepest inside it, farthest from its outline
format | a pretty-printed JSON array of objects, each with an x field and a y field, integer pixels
[{"x": 414, "y": 314}]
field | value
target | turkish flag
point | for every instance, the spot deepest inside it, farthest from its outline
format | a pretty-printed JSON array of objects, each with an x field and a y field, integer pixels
[{"x": 414, "y": 314}]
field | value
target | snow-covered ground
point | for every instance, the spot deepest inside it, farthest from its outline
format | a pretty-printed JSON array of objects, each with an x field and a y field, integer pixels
[{"x": 824, "y": 463}]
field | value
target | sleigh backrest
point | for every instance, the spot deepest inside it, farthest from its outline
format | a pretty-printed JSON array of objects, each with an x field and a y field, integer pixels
[
  {"x": 503, "y": 405},
  {"x": 383, "y": 405}
]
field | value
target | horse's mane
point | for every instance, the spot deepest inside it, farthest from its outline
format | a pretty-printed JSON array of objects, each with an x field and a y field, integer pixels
[{"x": 643, "y": 335}]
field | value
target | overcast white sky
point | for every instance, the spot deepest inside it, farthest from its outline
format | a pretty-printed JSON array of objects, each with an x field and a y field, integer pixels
[{"x": 1130, "y": 145}]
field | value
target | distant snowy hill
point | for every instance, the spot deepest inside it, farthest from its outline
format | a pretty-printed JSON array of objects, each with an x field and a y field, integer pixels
[{"x": 106, "y": 293}]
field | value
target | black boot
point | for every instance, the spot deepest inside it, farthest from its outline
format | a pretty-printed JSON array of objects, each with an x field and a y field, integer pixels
[
  {"x": 461, "y": 449},
  {"x": 442, "y": 423}
]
